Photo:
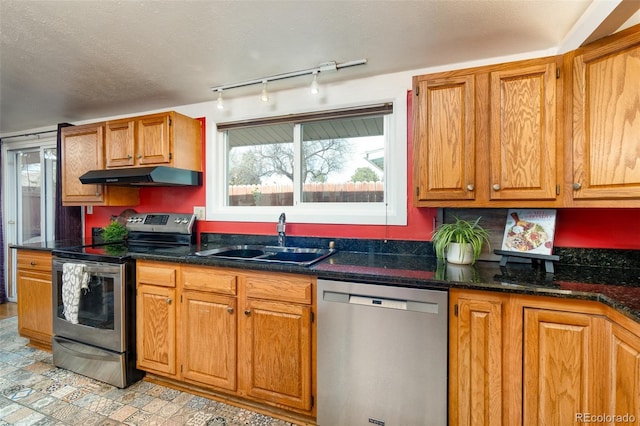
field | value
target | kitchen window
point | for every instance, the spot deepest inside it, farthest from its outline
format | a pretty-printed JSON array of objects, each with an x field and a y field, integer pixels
[{"x": 324, "y": 167}]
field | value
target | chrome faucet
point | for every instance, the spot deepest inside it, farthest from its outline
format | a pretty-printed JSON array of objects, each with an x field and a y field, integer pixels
[{"x": 280, "y": 228}]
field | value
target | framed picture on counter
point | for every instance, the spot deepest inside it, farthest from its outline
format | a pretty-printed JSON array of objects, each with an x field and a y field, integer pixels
[{"x": 529, "y": 231}]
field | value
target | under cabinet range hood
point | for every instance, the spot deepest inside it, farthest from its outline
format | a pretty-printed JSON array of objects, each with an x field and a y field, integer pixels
[{"x": 143, "y": 176}]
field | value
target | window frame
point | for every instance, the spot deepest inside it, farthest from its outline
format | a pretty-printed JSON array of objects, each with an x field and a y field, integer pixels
[{"x": 393, "y": 211}]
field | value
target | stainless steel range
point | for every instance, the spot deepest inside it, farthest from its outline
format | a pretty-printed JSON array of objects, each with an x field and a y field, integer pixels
[{"x": 94, "y": 307}]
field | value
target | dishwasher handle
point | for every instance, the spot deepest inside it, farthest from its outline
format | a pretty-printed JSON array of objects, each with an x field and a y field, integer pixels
[{"x": 381, "y": 302}]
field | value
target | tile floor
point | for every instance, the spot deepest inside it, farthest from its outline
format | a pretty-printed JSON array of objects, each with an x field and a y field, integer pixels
[{"x": 35, "y": 392}]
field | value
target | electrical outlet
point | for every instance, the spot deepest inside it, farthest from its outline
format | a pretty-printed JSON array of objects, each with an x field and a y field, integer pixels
[{"x": 199, "y": 211}]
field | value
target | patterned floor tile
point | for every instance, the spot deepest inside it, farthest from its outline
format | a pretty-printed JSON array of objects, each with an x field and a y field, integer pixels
[
  {"x": 141, "y": 401},
  {"x": 63, "y": 391},
  {"x": 155, "y": 405},
  {"x": 35, "y": 392},
  {"x": 199, "y": 418},
  {"x": 9, "y": 409},
  {"x": 31, "y": 419},
  {"x": 16, "y": 415},
  {"x": 168, "y": 409},
  {"x": 123, "y": 412},
  {"x": 39, "y": 404}
]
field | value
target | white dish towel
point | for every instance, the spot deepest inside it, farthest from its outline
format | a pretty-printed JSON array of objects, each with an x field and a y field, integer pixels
[{"x": 75, "y": 278}]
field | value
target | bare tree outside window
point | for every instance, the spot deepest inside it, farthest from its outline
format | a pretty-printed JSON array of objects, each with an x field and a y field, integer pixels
[{"x": 340, "y": 161}]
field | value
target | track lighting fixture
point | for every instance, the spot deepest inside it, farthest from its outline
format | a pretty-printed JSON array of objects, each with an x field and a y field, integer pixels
[
  {"x": 264, "y": 96},
  {"x": 220, "y": 103},
  {"x": 315, "y": 89}
]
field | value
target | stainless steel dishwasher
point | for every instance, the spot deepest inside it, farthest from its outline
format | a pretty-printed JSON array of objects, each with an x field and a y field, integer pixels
[{"x": 382, "y": 355}]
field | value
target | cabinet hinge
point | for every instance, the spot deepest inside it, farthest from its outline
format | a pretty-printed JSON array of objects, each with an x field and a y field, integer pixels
[
  {"x": 417, "y": 90},
  {"x": 417, "y": 191},
  {"x": 170, "y": 156},
  {"x": 180, "y": 298},
  {"x": 557, "y": 189},
  {"x": 169, "y": 121},
  {"x": 313, "y": 317},
  {"x": 181, "y": 368},
  {"x": 557, "y": 72},
  {"x": 313, "y": 400},
  {"x": 455, "y": 309}
]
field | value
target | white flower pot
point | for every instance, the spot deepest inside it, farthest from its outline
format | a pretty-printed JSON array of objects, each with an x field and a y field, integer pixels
[{"x": 460, "y": 254}]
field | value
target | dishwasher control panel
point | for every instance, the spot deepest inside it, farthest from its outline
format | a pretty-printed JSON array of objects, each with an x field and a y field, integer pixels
[{"x": 377, "y": 301}]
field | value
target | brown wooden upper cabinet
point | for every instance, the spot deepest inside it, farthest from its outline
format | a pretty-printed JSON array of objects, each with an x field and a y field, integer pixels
[
  {"x": 488, "y": 136},
  {"x": 165, "y": 139},
  {"x": 551, "y": 132},
  {"x": 606, "y": 121},
  {"x": 82, "y": 151}
]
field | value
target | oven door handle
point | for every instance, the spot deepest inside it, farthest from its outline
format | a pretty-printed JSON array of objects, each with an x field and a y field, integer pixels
[
  {"x": 91, "y": 269},
  {"x": 102, "y": 271}
]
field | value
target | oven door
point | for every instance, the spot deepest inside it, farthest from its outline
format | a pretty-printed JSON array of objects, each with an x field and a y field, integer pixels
[{"x": 99, "y": 305}]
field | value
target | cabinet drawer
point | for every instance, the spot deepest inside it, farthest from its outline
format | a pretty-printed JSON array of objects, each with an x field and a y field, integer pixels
[
  {"x": 156, "y": 274},
  {"x": 207, "y": 279},
  {"x": 34, "y": 260},
  {"x": 286, "y": 288}
]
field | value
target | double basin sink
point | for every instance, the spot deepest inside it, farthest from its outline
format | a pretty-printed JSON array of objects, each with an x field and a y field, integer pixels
[{"x": 301, "y": 256}]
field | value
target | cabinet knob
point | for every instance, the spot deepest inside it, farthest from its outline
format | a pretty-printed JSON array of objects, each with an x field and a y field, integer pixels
[
  {"x": 139, "y": 156},
  {"x": 577, "y": 186},
  {"x": 33, "y": 263},
  {"x": 247, "y": 312},
  {"x": 129, "y": 157},
  {"x": 470, "y": 187},
  {"x": 230, "y": 309},
  {"x": 97, "y": 194},
  {"x": 496, "y": 187},
  {"x": 168, "y": 300}
]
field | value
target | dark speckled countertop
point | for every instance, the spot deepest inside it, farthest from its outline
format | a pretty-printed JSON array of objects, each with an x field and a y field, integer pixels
[{"x": 608, "y": 276}]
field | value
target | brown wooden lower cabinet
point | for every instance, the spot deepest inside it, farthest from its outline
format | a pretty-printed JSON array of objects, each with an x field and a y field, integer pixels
[
  {"x": 209, "y": 339},
  {"x": 521, "y": 360},
  {"x": 35, "y": 308},
  {"x": 244, "y": 334}
]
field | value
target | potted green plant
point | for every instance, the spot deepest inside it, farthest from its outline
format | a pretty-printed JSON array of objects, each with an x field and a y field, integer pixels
[
  {"x": 460, "y": 242},
  {"x": 114, "y": 232}
]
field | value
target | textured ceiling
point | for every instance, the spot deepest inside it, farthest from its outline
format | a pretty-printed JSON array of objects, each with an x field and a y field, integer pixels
[{"x": 67, "y": 61}]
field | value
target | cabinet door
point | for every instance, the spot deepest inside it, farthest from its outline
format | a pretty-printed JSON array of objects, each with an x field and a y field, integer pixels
[
  {"x": 81, "y": 151},
  {"x": 561, "y": 350},
  {"x": 154, "y": 139},
  {"x": 120, "y": 143},
  {"x": 523, "y": 133},
  {"x": 606, "y": 120},
  {"x": 208, "y": 345},
  {"x": 444, "y": 139},
  {"x": 156, "y": 329},
  {"x": 277, "y": 347},
  {"x": 35, "y": 312},
  {"x": 475, "y": 361},
  {"x": 624, "y": 381}
]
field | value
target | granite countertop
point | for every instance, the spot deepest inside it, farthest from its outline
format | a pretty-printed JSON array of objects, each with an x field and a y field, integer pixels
[
  {"x": 50, "y": 245},
  {"x": 613, "y": 284}
]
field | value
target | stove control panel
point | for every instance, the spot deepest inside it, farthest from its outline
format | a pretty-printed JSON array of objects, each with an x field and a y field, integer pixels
[{"x": 175, "y": 223}]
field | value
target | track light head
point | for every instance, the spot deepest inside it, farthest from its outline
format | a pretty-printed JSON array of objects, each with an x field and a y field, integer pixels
[
  {"x": 315, "y": 88},
  {"x": 265, "y": 95},
  {"x": 220, "y": 102}
]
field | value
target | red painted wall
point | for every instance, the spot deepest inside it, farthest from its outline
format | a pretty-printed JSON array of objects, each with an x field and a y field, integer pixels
[{"x": 589, "y": 228}]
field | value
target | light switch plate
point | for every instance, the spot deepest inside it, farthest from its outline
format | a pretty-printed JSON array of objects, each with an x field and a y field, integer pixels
[{"x": 199, "y": 211}]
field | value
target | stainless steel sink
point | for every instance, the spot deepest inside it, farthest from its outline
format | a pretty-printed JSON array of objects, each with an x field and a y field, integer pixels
[{"x": 302, "y": 256}]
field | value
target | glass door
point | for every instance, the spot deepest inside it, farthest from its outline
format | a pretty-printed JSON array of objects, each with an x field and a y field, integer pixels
[{"x": 29, "y": 174}]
